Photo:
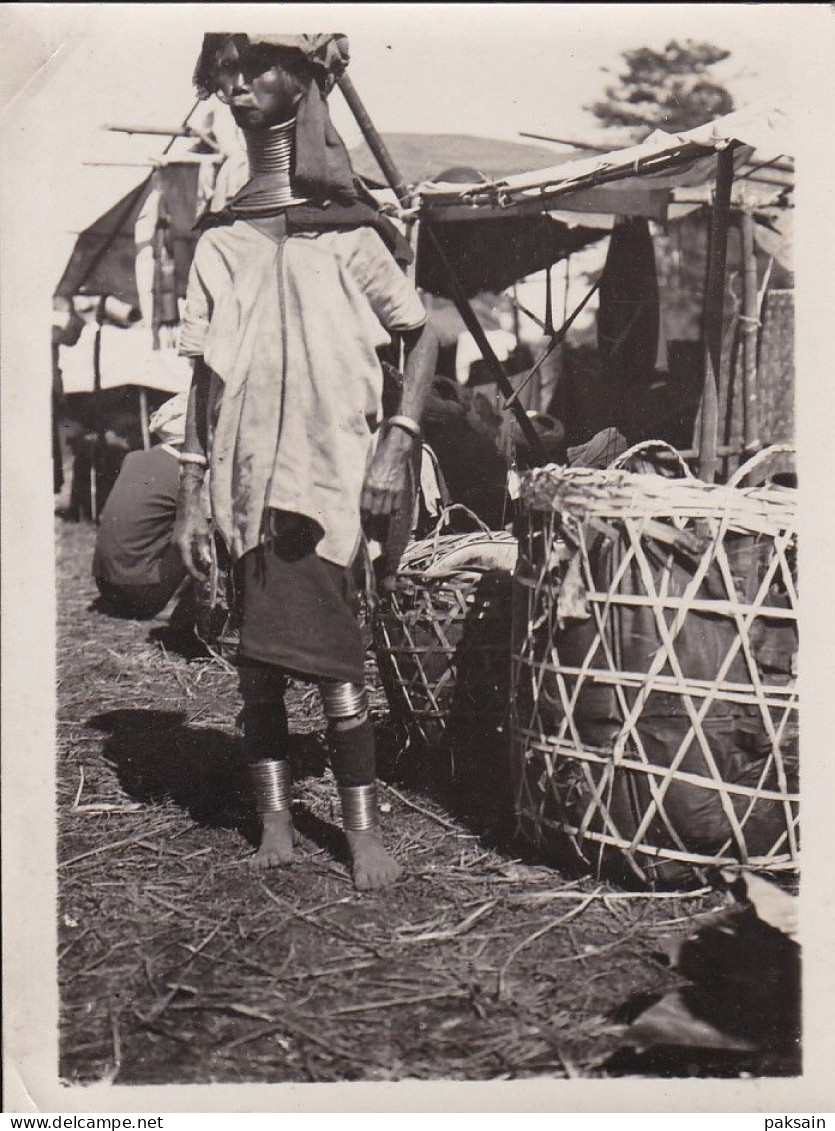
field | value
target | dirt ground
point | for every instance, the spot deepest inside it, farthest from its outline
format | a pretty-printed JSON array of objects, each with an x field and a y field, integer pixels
[{"x": 179, "y": 964}]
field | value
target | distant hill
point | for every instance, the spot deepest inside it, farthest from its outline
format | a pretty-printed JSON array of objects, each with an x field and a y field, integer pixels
[{"x": 419, "y": 157}]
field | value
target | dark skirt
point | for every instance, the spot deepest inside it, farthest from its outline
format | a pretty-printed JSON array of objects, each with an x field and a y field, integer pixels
[{"x": 298, "y": 612}]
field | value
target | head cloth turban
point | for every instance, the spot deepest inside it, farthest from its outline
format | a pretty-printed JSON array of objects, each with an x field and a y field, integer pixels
[
  {"x": 322, "y": 168},
  {"x": 168, "y": 423}
]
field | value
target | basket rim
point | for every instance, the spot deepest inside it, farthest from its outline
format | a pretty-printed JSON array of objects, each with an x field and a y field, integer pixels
[
  {"x": 615, "y": 493},
  {"x": 782, "y": 862},
  {"x": 420, "y": 554}
]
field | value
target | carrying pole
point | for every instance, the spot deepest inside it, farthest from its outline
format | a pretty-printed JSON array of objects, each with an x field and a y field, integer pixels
[
  {"x": 750, "y": 325},
  {"x": 492, "y": 362},
  {"x": 713, "y": 313},
  {"x": 375, "y": 142}
]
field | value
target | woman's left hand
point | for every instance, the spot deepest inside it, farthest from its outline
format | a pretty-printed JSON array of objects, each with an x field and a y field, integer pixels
[{"x": 386, "y": 478}]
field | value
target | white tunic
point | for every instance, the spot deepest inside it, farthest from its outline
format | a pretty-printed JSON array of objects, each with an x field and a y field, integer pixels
[{"x": 296, "y": 371}]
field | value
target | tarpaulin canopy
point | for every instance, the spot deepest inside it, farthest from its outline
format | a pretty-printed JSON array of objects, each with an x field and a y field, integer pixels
[
  {"x": 502, "y": 249},
  {"x": 625, "y": 181},
  {"x": 495, "y": 250},
  {"x": 498, "y": 252},
  {"x": 104, "y": 257},
  {"x": 102, "y": 261}
]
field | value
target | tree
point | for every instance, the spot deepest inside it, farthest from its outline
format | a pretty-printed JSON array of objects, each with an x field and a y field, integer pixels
[{"x": 670, "y": 90}]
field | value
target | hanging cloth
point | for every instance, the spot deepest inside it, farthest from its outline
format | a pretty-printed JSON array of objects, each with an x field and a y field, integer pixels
[
  {"x": 627, "y": 322},
  {"x": 323, "y": 169}
]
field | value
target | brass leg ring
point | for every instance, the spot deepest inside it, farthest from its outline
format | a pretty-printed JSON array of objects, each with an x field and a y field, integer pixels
[
  {"x": 273, "y": 785},
  {"x": 342, "y": 700},
  {"x": 359, "y": 807}
]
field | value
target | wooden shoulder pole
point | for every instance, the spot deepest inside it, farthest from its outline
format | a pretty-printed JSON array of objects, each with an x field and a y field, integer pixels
[
  {"x": 375, "y": 142},
  {"x": 396, "y": 182},
  {"x": 713, "y": 314}
]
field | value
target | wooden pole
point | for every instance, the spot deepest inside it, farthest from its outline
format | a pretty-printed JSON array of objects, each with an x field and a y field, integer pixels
[
  {"x": 750, "y": 323},
  {"x": 713, "y": 314},
  {"x": 143, "y": 417},
  {"x": 375, "y": 141},
  {"x": 493, "y": 364},
  {"x": 97, "y": 461}
]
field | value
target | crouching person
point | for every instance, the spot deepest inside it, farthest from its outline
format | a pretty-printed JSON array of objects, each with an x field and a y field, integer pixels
[
  {"x": 292, "y": 291},
  {"x": 135, "y": 563}
]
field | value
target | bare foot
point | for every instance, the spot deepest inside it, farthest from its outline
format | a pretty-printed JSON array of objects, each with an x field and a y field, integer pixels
[
  {"x": 277, "y": 840},
  {"x": 373, "y": 867}
]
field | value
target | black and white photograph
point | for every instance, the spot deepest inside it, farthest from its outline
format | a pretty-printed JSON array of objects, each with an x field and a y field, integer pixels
[{"x": 407, "y": 478}]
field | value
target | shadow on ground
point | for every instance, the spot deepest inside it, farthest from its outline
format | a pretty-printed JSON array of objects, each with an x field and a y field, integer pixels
[
  {"x": 158, "y": 757},
  {"x": 467, "y": 779}
]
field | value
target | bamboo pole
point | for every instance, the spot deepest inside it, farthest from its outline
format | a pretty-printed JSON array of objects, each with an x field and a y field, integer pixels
[
  {"x": 713, "y": 314},
  {"x": 98, "y": 423},
  {"x": 492, "y": 362},
  {"x": 375, "y": 142},
  {"x": 143, "y": 417},
  {"x": 564, "y": 141},
  {"x": 750, "y": 322},
  {"x": 152, "y": 131},
  {"x": 161, "y": 131}
]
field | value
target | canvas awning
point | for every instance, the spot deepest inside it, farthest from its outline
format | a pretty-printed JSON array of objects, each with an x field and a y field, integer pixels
[
  {"x": 102, "y": 261},
  {"x": 502, "y": 249},
  {"x": 420, "y": 157},
  {"x": 127, "y": 357},
  {"x": 104, "y": 257},
  {"x": 497, "y": 250},
  {"x": 637, "y": 180}
]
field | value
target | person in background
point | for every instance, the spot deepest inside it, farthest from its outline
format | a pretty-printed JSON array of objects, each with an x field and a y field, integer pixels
[
  {"x": 473, "y": 470},
  {"x": 551, "y": 436},
  {"x": 135, "y": 563},
  {"x": 66, "y": 330},
  {"x": 461, "y": 464}
]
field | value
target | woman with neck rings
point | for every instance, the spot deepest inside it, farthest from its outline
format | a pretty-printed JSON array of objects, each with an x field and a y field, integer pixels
[{"x": 291, "y": 293}]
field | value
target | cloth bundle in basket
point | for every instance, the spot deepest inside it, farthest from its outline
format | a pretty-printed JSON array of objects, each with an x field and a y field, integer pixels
[
  {"x": 654, "y": 720},
  {"x": 442, "y": 636}
]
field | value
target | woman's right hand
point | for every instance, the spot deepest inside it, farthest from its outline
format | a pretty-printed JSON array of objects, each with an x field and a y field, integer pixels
[{"x": 192, "y": 535}]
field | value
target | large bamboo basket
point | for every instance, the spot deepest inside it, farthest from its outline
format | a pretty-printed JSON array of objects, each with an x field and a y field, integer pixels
[
  {"x": 654, "y": 706},
  {"x": 443, "y": 636}
]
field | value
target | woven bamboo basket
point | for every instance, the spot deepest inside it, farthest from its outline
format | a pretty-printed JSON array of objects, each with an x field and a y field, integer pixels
[
  {"x": 442, "y": 636},
  {"x": 654, "y": 704}
]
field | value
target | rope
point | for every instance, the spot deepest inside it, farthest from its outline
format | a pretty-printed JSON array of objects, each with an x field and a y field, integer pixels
[{"x": 556, "y": 339}]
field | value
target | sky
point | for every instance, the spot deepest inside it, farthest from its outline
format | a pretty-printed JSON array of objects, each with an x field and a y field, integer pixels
[{"x": 490, "y": 70}]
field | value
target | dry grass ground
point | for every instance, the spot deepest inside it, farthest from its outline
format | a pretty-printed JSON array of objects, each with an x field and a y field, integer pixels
[{"x": 178, "y": 964}]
